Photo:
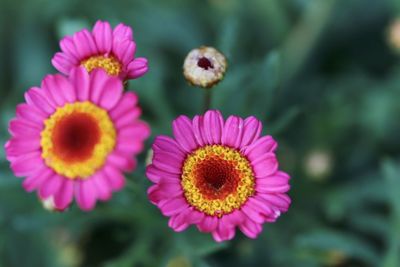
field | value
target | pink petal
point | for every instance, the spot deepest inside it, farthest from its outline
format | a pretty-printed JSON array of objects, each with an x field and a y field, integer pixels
[
  {"x": 80, "y": 80},
  {"x": 281, "y": 201},
  {"x": 111, "y": 94},
  {"x": 103, "y": 188},
  {"x": 156, "y": 175},
  {"x": 20, "y": 128},
  {"x": 173, "y": 206},
  {"x": 121, "y": 161},
  {"x": 236, "y": 217},
  {"x": 51, "y": 85},
  {"x": 183, "y": 132},
  {"x": 128, "y": 118},
  {"x": 85, "y": 194},
  {"x": 198, "y": 126},
  {"x": 179, "y": 222},
  {"x": 194, "y": 216},
  {"x": 124, "y": 50},
  {"x": 68, "y": 47},
  {"x": 102, "y": 33},
  {"x": 225, "y": 231},
  {"x": 114, "y": 178},
  {"x": 35, "y": 180},
  {"x": 37, "y": 97},
  {"x": 51, "y": 186},
  {"x": 251, "y": 131},
  {"x": 121, "y": 32},
  {"x": 253, "y": 212},
  {"x": 167, "y": 144},
  {"x": 168, "y": 162},
  {"x": 155, "y": 195},
  {"x": 27, "y": 164},
  {"x": 64, "y": 196},
  {"x": 233, "y": 131},
  {"x": 265, "y": 165},
  {"x": 250, "y": 228},
  {"x": 64, "y": 62},
  {"x": 84, "y": 43},
  {"x": 21, "y": 146},
  {"x": 30, "y": 113},
  {"x": 138, "y": 130},
  {"x": 277, "y": 183},
  {"x": 98, "y": 82},
  {"x": 260, "y": 147},
  {"x": 213, "y": 127},
  {"x": 127, "y": 102},
  {"x": 209, "y": 224},
  {"x": 137, "y": 68}
]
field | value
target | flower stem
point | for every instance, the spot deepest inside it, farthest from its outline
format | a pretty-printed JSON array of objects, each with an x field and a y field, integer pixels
[{"x": 207, "y": 99}]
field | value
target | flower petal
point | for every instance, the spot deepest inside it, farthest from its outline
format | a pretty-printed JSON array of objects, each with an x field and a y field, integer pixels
[
  {"x": 102, "y": 33},
  {"x": 51, "y": 186},
  {"x": 27, "y": 164},
  {"x": 124, "y": 50},
  {"x": 121, "y": 32},
  {"x": 167, "y": 144},
  {"x": 84, "y": 43},
  {"x": 64, "y": 62},
  {"x": 35, "y": 180},
  {"x": 85, "y": 194},
  {"x": 37, "y": 97},
  {"x": 137, "y": 68},
  {"x": 173, "y": 206},
  {"x": 80, "y": 80},
  {"x": 127, "y": 102},
  {"x": 251, "y": 131},
  {"x": 183, "y": 132},
  {"x": 114, "y": 177},
  {"x": 209, "y": 224},
  {"x": 103, "y": 188},
  {"x": 64, "y": 196},
  {"x": 233, "y": 131},
  {"x": 260, "y": 147},
  {"x": 111, "y": 94},
  {"x": 213, "y": 127}
]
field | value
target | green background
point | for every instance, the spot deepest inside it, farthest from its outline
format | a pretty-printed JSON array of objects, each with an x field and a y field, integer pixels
[{"x": 318, "y": 73}]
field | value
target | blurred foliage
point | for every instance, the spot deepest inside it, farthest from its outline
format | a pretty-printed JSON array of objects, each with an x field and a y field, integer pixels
[{"x": 318, "y": 73}]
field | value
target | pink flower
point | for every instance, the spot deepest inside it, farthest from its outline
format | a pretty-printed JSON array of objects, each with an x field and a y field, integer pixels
[
  {"x": 75, "y": 137},
  {"x": 111, "y": 50},
  {"x": 218, "y": 175}
]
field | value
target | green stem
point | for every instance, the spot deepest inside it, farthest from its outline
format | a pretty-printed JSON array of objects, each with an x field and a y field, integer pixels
[{"x": 207, "y": 99}]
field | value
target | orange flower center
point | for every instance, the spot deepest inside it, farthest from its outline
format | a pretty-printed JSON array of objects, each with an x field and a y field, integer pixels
[
  {"x": 77, "y": 139},
  {"x": 217, "y": 179},
  {"x": 108, "y": 63},
  {"x": 75, "y": 136}
]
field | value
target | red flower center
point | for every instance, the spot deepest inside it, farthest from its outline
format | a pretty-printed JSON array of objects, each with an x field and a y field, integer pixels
[
  {"x": 204, "y": 63},
  {"x": 216, "y": 177},
  {"x": 75, "y": 136}
]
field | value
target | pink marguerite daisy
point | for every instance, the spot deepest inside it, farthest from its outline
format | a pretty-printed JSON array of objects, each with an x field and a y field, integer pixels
[
  {"x": 110, "y": 49},
  {"x": 75, "y": 137},
  {"x": 218, "y": 175}
]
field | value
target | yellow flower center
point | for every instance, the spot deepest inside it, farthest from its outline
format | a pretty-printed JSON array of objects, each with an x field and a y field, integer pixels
[
  {"x": 217, "y": 179},
  {"x": 109, "y": 63},
  {"x": 77, "y": 139}
]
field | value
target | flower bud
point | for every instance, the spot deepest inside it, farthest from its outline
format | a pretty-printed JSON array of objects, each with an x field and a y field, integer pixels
[{"x": 204, "y": 67}]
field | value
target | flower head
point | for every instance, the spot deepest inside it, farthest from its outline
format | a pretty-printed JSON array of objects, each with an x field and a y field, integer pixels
[
  {"x": 204, "y": 66},
  {"x": 75, "y": 136},
  {"x": 393, "y": 35},
  {"x": 110, "y": 49},
  {"x": 218, "y": 175}
]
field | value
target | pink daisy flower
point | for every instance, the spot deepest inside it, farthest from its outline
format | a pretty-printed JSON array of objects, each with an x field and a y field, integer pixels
[
  {"x": 74, "y": 137},
  {"x": 105, "y": 48},
  {"x": 218, "y": 175}
]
